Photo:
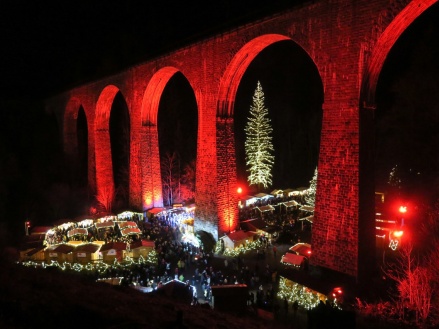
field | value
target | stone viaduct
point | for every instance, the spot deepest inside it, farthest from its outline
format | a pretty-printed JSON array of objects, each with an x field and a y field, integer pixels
[{"x": 348, "y": 42}]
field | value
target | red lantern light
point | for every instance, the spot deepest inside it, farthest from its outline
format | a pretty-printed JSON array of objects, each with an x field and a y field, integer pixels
[
  {"x": 402, "y": 209},
  {"x": 398, "y": 234}
]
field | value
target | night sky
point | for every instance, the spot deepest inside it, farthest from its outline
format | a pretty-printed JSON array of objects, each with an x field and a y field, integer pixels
[{"x": 51, "y": 47}]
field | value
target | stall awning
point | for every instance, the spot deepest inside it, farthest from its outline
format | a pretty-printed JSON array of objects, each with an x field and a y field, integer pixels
[
  {"x": 155, "y": 211},
  {"x": 142, "y": 244},
  {"x": 291, "y": 203},
  {"x": 263, "y": 196},
  {"x": 308, "y": 218},
  {"x": 266, "y": 208},
  {"x": 114, "y": 245},
  {"x": 62, "y": 248},
  {"x": 130, "y": 230},
  {"x": 302, "y": 249},
  {"x": 307, "y": 208},
  {"x": 292, "y": 259},
  {"x": 77, "y": 231},
  {"x": 89, "y": 247},
  {"x": 240, "y": 235},
  {"x": 109, "y": 223},
  {"x": 123, "y": 225}
]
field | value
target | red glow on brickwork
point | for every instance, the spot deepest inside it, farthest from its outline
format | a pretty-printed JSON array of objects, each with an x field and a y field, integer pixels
[
  {"x": 153, "y": 93},
  {"x": 226, "y": 164},
  {"x": 236, "y": 69},
  {"x": 104, "y": 166},
  {"x": 387, "y": 40},
  {"x": 152, "y": 193},
  {"x": 70, "y": 139},
  {"x": 70, "y": 130},
  {"x": 349, "y": 56}
]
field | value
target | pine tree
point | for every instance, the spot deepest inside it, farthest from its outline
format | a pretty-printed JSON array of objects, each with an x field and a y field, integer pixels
[
  {"x": 310, "y": 197},
  {"x": 258, "y": 144}
]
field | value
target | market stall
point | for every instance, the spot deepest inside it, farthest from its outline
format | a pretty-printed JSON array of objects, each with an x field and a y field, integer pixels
[
  {"x": 292, "y": 260},
  {"x": 141, "y": 248},
  {"x": 86, "y": 253},
  {"x": 113, "y": 250},
  {"x": 60, "y": 253},
  {"x": 238, "y": 238}
]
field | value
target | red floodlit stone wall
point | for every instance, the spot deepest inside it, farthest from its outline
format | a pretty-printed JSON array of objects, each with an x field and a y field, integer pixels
[
  {"x": 227, "y": 194},
  {"x": 347, "y": 40}
]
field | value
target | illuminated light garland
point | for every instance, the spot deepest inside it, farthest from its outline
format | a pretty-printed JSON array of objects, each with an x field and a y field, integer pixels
[
  {"x": 152, "y": 257},
  {"x": 100, "y": 267},
  {"x": 290, "y": 265},
  {"x": 304, "y": 296},
  {"x": 258, "y": 143},
  {"x": 393, "y": 244},
  {"x": 242, "y": 249}
]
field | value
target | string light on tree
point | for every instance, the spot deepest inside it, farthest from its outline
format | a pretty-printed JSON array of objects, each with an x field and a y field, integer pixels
[
  {"x": 310, "y": 197},
  {"x": 258, "y": 145}
]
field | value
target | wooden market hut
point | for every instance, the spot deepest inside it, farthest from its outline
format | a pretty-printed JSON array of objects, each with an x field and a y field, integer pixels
[
  {"x": 153, "y": 212},
  {"x": 113, "y": 250},
  {"x": 266, "y": 211},
  {"x": 302, "y": 249},
  {"x": 60, "y": 253},
  {"x": 78, "y": 233},
  {"x": 247, "y": 201},
  {"x": 292, "y": 260},
  {"x": 86, "y": 253},
  {"x": 237, "y": 238},
  {"x": 129, "y": 228},
  {"x": 291, "y": 205},
  {"x": 259, "y": 226},
  {"x": 267, "y": 208},
  {"x": 300, "y": 191},
  {"x": 277, "y": 193},
  {"x": 307, "y": 209},
  {"x": 103, "y": 227},
  {"x": 263, "y": 197},
  {"x": 289, "y": 192},
  {"x": 35, "y": 254},
  {"x": 30, "y": 244},
  {"x": 141, "y": 248}
]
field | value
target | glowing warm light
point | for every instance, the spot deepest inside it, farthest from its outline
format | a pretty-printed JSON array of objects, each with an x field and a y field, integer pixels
[
  {"x": 403, "y": 209},
  {"x": 242, "y": 249},
  {"x": 305, "y": 296},
  {"x": 398, "y": 234},
  {"x": 239, "y": 190}
]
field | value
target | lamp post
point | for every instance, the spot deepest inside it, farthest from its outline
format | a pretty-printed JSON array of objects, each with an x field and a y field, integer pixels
[
  {"x": 26, "y": 227},
  {"x": 402, "y": 211}
]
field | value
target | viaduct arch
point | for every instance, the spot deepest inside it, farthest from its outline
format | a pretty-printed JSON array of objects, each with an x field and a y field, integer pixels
[{"x": 347, "y": 40}]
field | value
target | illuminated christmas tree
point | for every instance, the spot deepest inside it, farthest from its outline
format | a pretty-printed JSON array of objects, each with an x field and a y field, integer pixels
[
  {"x": 310, "y": 197},
  {"x": 258, "y": 144}
]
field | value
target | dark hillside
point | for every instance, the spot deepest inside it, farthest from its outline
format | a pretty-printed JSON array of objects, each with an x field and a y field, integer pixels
[{"x": 36, "y": 298}]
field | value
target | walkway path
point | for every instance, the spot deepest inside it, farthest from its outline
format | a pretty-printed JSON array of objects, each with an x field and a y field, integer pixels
[{"x": 251, "y": 260}]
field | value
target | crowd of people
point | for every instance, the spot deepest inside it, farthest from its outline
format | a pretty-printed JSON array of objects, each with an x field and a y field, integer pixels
[{"x": 178, "y": 260}]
